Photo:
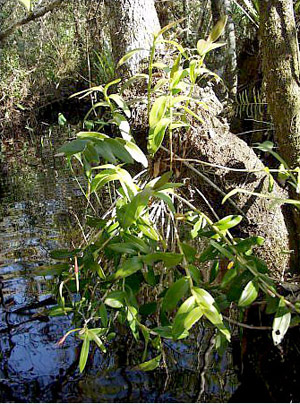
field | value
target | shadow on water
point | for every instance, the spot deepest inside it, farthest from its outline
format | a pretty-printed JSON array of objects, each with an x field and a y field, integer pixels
[{"x": 37, "y": 196}]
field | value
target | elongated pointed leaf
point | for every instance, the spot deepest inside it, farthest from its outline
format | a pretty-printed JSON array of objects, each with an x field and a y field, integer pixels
[
  {"x": 218, "y": 29},
  {"x": 103, "y": 315},
  {"x": 150, "y": 365},
  {"x": 129, "y": 267},
  {"x": 136, "y": 153},
  {"x": 26, "y": 4},
  {"x": 156, "y": 135},
  {"x": 115, "y": 299},
  {"x": 158, "y": 110},
  {"x": 94, "y": 337},
  {"x": 121, "y": 103},
  {"x": 249, "y": 294},
  {"x": 281, "y": 323},
  {"x": 175, "y": 293},
  {"x": 228, "y": 222},
  {"x": 129, "y": 55},
  {"x": 169, "y": 259},
  {"x": 185, "y": 321},
  {"x": 135, "y": 207},
  {"x": 84, "y": 352}
]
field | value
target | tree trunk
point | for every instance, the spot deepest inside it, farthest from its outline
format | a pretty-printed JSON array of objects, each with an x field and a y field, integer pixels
[
  {"x": 132, "y": 23},
  {"x": 281, "y": 74},
  {"x": 227, "y": 69}
]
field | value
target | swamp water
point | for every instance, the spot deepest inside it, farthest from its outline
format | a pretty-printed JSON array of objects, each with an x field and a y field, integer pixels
[{"x": 38, "y": 203}]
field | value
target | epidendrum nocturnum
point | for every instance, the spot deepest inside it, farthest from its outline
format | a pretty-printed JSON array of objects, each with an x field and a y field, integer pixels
[{"x": 127, "y": 271}]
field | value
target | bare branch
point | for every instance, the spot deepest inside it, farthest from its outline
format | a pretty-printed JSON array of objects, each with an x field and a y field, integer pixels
[{"x": 36, "y": 13}]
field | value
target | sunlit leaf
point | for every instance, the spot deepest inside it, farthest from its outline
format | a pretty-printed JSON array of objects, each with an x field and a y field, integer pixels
[
  {"x": 115, "y": 299},
  {"x": 84, "y": 352},
  {"x": 156, "y": 135},
  {"x": 27, "y": 4},
  {"x": 218, "y": 29},
  {"x": 228, "y": 222},
  {"x": 129, "y": 267},
  {"x": 158, "y": 110},
  {"x": 249, "y": 294},
  {"x": 281, "y": 322},
  {"x": 150, "y": 365},
  {"x": 129, "y": 55},
  {"x": 121, "y": 103}
]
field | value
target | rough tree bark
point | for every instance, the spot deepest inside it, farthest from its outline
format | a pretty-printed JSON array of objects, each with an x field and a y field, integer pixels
[
  {"x": 132, "y": 23},
  {"x": 280, "y": 53}
]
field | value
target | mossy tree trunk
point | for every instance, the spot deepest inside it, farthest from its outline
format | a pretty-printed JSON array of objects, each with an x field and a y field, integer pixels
[
  {"x": 132, "y": 23},
  {"x": 280, "y": 53}
]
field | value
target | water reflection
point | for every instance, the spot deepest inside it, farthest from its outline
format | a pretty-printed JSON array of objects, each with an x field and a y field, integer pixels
[{"x": 37, "y": 196}]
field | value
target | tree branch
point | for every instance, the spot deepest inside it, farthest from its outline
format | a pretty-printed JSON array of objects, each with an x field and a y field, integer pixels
[{"x": 36, "y": 13}]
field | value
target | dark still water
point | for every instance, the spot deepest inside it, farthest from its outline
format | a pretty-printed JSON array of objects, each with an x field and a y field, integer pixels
[{"x": 39, "y": 202}]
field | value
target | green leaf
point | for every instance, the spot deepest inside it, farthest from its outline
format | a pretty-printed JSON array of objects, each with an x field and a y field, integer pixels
[
  {"x": 136, "y": 153},
  {"x": 170, "y": 259},
  {"x": 117, "y": 147},
  {"x": 166, "y": 198},
  {"x": 148, "y": 231},
  {"x": 281, "y": 322},
  {"x": 169, "y": 26},
  {"x": 185, "y": 321},
  {"x": 158, "y": 110},
  {"x": 218, "y": 29},
  {"x": 115, "y": 299},
  {"x": 131, "y": 80},
  {"x": 135, "y": 207},
  {"x": 156, "y": 135},
  {"x": 229, "y": 276},
  {"x": 123, "y": 125},
  {"x": 59, "y": 311},
  {"x": 195, "y": 273},
  {"x": 224, "y": 251},
  {"x": 247, "y": 244},
  {"x": 208, "y": 254},
  {"x": 51, "y": 270},
  {"x": 228, "y": 222},
  {"x": 148, "y": 308},
  {"x": 175, "y": 293},
  {"x": 126, "y": 248},
  {"x": 249, "y": 294},
  {"x": 62, "y": 119},
  {"x": 139, "y": 244},
  {"x": 129, "y": 267},
  {"x": 84, "y": 352},
  {"x": 210, "y": 310},
  {"x": 103, "y": 315},
  {"x": 94, "y": 337},
  {"x": 162, "y": 180},
  {"x": 129, "y": 55},
  {"x": 73, "y": 147},
  {"x": 121, "y": 103},
  {"x": 150, "y": 365},
  {"x": 189, "y": 252}
]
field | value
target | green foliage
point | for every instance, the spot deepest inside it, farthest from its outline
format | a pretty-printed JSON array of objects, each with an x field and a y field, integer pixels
[{"x": 127, "y": 272}]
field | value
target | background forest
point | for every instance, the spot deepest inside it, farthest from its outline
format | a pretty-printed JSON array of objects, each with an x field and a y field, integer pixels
[{"x": 149, "y": 208}]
